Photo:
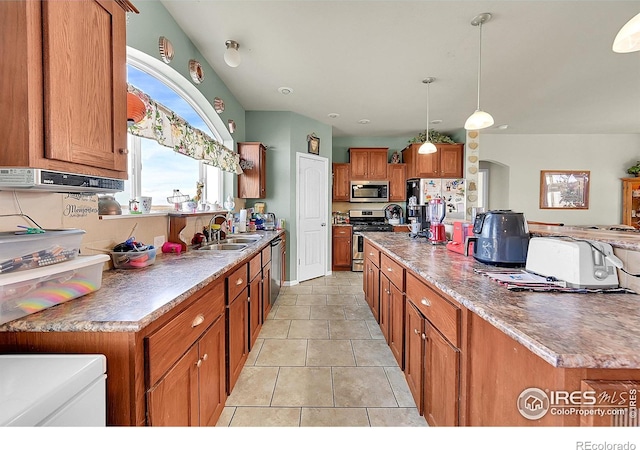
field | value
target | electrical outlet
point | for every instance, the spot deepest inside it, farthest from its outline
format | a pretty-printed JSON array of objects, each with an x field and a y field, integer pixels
[{"x": 158, "y": 241}]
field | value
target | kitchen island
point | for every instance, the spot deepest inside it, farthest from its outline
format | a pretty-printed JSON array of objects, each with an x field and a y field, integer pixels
[
  {"x": 165, "y": 329},
  {"x": 503, "y": 342}
]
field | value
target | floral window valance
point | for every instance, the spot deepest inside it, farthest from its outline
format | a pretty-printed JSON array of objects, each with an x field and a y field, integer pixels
[{"x": 168, "y": 129}]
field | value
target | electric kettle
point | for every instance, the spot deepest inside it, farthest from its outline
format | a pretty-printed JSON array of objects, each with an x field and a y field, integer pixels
[{"x": 501, "y": 238}]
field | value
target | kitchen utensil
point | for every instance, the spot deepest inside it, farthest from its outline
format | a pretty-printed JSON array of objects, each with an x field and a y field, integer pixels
[
  {"x": 501, "y": 237},
  {"x": 144, "y": 204},
  {"x": 580, "y": 263},
  {"x": 269, "y": 221},
  {"x": 108, "y": 205}
]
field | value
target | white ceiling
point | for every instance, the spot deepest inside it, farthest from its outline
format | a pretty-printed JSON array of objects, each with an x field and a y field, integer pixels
[{"x": 547, "y": 66}]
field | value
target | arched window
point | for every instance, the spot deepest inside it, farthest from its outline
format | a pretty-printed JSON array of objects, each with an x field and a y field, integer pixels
[{"x": 156, "y": 170}]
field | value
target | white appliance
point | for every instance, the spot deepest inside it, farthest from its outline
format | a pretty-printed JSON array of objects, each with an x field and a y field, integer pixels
[
  {"x": 580, "y": 263},
  {"x": 53, "y": 390}
]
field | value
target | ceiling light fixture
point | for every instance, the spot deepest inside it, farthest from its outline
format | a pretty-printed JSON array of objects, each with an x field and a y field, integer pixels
[
  {"x": 364, "y": 121},
  {"x": 231, "y": 54},
  {"x": 333, "y": 115},
  {"x": 479, "y": 119},
  {"x": 628, "y": 38},
  {"x": 427, "y": 147},
  {"x": 285, "y": 90}
]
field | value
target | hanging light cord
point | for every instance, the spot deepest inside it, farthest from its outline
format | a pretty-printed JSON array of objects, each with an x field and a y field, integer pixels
[
  {"x": 428, "y": 112},
  {"x": 479, "y": 63}
]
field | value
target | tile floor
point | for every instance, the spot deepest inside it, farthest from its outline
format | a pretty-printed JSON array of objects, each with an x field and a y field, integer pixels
[{"x": 321, "y": 360}]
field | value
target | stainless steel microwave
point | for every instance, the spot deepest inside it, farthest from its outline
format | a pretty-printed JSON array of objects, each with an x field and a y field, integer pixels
[{"x": 369, "y": 191}]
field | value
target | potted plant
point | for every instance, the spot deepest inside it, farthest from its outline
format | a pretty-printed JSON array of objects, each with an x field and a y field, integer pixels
[
  {"x": 635, "y": 169},
  {"x": 435, "y": 137}
]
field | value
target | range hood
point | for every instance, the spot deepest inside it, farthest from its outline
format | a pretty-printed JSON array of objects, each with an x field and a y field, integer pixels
[{"x": 48, "y": 180}]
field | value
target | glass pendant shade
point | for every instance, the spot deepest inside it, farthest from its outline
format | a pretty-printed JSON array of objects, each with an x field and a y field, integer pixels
[
  {"x": 478, "y": 120},
  {"x": 628, "y": 38},
  {"x": 427, "y": 148}
]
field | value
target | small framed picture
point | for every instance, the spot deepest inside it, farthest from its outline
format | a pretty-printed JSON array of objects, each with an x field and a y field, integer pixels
[
  {"x": 564, "y": 189},
  {"x": 313, "y": 144}
]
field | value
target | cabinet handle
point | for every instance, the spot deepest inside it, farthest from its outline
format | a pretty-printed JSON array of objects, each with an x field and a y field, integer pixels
[
  {"x": 199, "y": 363},
  {"x": 425, "y": 302},
  {"x": 370, "y": 254},
  {"x": 239, "y": 282},
  {"x": 389, "y": 269},
  {"x": 205, "y": 357},
  {"x": 197, "y": 321},
  {"x": 424, "y": 336},
  {"x": 415, "y": 331},
  {"x": 123, "y": 151}
]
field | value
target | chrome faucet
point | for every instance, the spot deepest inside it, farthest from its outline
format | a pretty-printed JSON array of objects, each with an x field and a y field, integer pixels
[{"x": 209, "y": 230}]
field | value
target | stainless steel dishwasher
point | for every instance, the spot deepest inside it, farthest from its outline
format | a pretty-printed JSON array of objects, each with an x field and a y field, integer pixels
[{"x": 276, "y": 268}]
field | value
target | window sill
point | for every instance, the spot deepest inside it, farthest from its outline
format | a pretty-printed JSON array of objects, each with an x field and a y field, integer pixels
[{"x": 126, "y": 215}]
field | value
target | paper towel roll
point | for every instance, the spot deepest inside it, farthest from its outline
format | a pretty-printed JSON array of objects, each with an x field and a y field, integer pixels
[{"x": 242, "y": 222}]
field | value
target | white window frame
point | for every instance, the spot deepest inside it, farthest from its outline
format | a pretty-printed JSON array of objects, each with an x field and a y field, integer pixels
[{"x": 189, "y": 93}]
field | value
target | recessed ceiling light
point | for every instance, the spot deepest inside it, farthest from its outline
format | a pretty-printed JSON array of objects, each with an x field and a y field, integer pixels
[
  {"x": 334, "y": 115},
  {"x": 502, "y": 127},
  {"x": 364, "y": 121},
  {"x": 285, "y": 90},
  {"x": 436, "y": 121}
]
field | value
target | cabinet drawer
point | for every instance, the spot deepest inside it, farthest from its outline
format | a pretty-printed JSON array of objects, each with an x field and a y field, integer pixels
[
  {"x": 341, "y": 231},
  {"x": 255, "y": 266},
  {"x": 440, "y": 312},
  {"x": 236, "y": 282},
  {"x": 371, "y": 253},
  {"x": 166, "y": 345},
  {"x": 392, "y": 270},
  {"x": 266, "y": 255}
]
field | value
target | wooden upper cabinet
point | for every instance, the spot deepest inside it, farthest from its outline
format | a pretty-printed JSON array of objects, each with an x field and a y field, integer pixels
[
  {"x": 447, "y": 162},
  {"x": 368, "y": 163},
  {"x": 253, "y": 182},
  {"x": 341, "y": 177},
  {"x": 64, "y": 79},
  {"x": 397, "y": 182}
]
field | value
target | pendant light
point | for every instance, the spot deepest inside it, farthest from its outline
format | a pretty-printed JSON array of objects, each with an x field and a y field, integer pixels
[
  {"x": 479, "y": 119},
  {"x": 628, "y": 38},
  {"x": 427, "y": 147}
]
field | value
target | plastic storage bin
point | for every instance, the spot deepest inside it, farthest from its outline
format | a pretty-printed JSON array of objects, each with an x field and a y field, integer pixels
[
  {"x": 134, "y": 260},
  {"x": 31, "y": 291},
  {"x": 31, "y": 251}
]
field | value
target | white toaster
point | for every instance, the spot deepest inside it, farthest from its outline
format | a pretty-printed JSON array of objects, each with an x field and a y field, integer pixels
[{"x": 580, "y": 263}]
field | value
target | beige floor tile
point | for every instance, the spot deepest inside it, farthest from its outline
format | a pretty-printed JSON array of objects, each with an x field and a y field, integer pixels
[
  {"x": 351, "y": 289},
  {"x": 282, "y": 352},
  {"x": 287, "y": 299},
  {"x": 311, "y": 299},
  {"x": 266, "y": 417},
  {"x": 341, "y": 299},
  {"x": 254, "y": 387},
  {"x": 374, "y": 329},
  {"x": 326, "y": 289},
  {"x": 255, "y": 351},
  {"x": 303, "y": 386},
  {"x": 373, "y": 353},
  {"x": 338, "y": 281},
  {"x": 400, "y": 388},
  {"x": 334, "y": 417},
  {"x": 358, "y": 312},
  {"x": 360, "y": 300},
  {"x": 309, "y": 329},
  {"x": 275, "y": 329},
  {"x": 349, "y": 329},
  {"x": 292, "y": 312},
  {"x": 314, "y": 282},
  {"x": 330, "y": 353},
  {"x": 327, "y": 312},
  {"x": 298, "y": 289},
  {"x": 396, "y": 417},
  {"x": 362, "y": 387},
  {"x": 225, "y": 418}
]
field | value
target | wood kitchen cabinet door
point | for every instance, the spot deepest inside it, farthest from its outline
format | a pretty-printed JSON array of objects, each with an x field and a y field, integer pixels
[
  {"x": 371, "y": 279},
  {"x": 413, "y": 351},
  {"x": 252, "y": 183},
  {"x": 341, "y": 178},
  {"x": 237, "y": 337},
  {"x": 66, "y": 80},
  {"x": 397, "y": 182},
  {"x": 174, "y": 400},
  {"x": 447, "y": 162},
  {"x": 396, "y": 323},
  {"x": 385, "y": 303},
  {"x": 211, "y": 374},
  {"x": 368, "y": 163},
  {"x": 342, "y": 248}
]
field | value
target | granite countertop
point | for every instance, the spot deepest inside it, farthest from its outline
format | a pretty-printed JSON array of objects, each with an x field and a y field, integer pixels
[
  {"x": 619, "y": 238},
  {"x": 565, "y": 329},
  {"x": 129, "y": 300}
]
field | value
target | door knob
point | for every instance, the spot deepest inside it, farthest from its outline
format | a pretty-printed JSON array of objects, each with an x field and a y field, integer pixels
[{"x": 323, "y": 224}]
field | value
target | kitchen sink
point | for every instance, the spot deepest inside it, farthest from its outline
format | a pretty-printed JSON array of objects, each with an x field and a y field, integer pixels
[
  {"x": 241, "y": 240},
  {"x": 224, "y": 247}
]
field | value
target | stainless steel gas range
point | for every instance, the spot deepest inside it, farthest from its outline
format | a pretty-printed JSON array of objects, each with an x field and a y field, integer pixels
[{"x": 364, "y": 220}]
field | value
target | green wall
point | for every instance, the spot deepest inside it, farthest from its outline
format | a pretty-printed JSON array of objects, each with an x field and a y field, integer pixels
[{"x": 341, "y": 145}]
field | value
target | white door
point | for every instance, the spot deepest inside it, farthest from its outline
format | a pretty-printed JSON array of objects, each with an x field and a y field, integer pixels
[{"x": 312, "y": 185}]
